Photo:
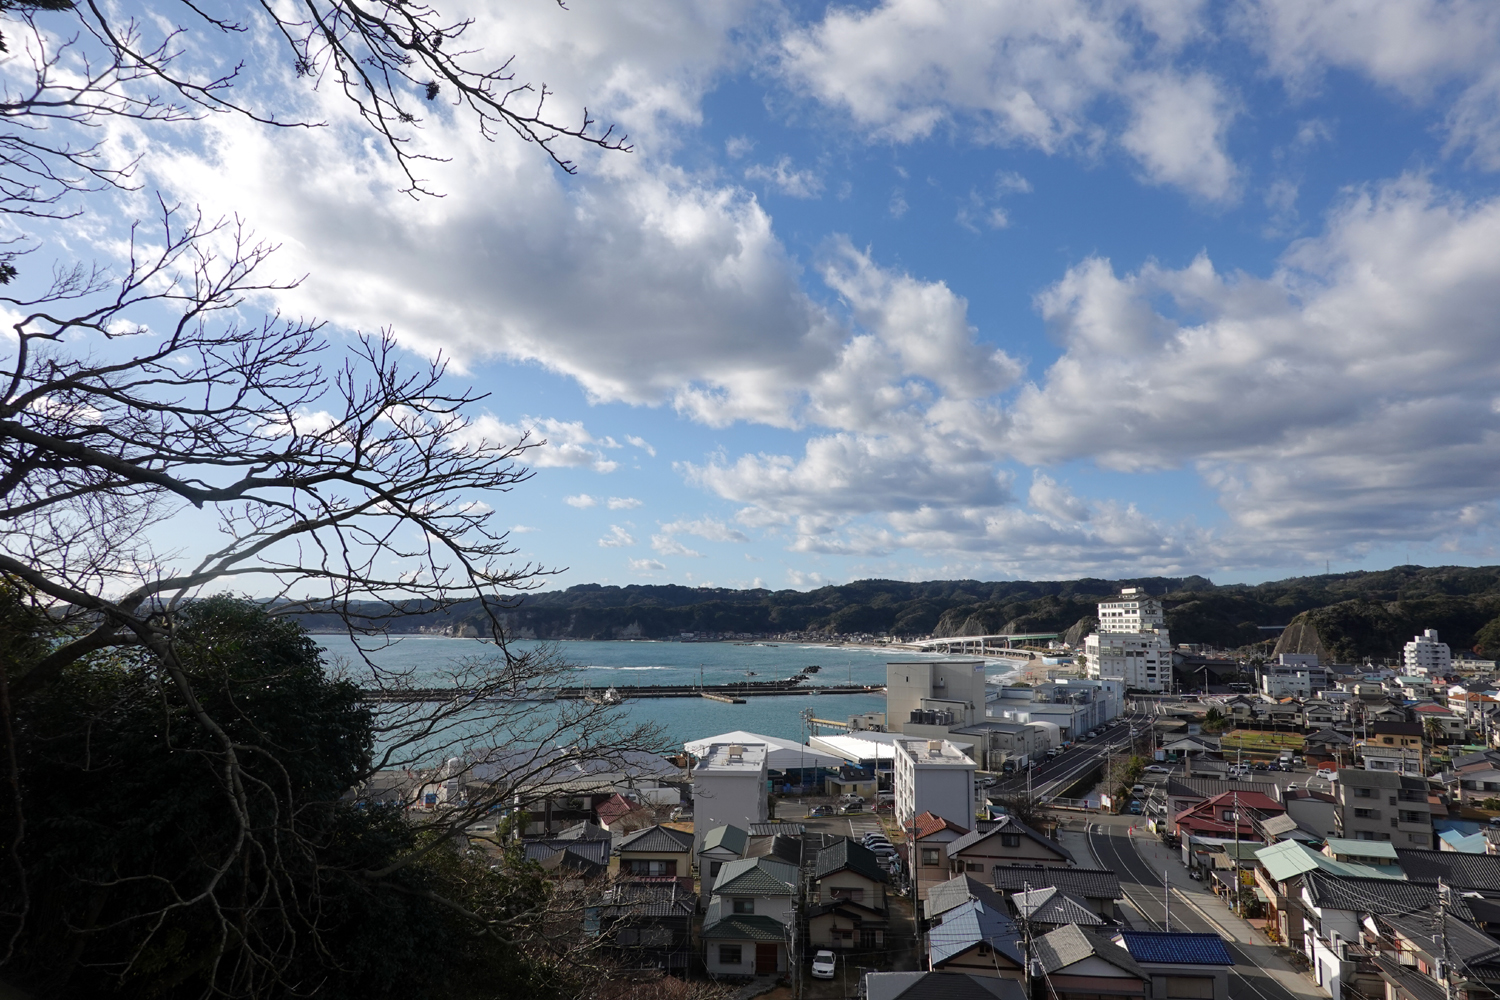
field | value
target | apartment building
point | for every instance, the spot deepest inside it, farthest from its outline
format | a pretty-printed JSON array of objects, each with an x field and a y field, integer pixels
[
  {"x": 1426, "y": 656},
  {"x": 933, "y": 776},
  {"x": 729, "y": 788},
  {"x": 1383, "y": 805},
  {"x": 1132, "y": 645},
  {"x": 933, "y": 695}
]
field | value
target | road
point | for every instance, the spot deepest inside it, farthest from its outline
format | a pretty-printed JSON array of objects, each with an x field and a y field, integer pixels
[
  {"x": 1191, "y": 910},
  {"x": 1076, "y": 760}
]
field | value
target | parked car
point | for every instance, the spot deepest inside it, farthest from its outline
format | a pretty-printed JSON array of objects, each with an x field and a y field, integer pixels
[
  {"x": 1158, "y": 769},
  {"x": 820, "y": 811},
  {"x": 850, "y": 797},
  {"x": 850, "y": 808},
  {"x": 1135, "y": 808},
  {"x": 823, "y": 965}
]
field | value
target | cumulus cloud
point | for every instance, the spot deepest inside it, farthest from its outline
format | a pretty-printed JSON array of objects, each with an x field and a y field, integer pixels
[
  {"x": 785, "y": 178},
  {"x": 617, "y": 538},
  {"x": 647, "y": 565},
  {"x": 623, "y": 503},
  {"x": 1045, "y": 76},
  {"x": 581, "y": 501},
  {"x": 641, "y": 443},
  {"x": 555, "y": 443}
]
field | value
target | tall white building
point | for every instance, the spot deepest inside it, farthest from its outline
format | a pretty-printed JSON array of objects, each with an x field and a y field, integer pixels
[
  {"x": 1132, "y": 645},
  {"x": 729, "y": 788},
  {"x": 1426, "y": 657},
  {"x": 933, "y": 776},
  {"x": 948, "y": 694}
]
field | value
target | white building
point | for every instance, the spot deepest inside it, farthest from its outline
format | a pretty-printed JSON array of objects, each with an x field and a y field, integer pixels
[
  {"x": 1132, "y": 645},
  {"x": 944, "y": 693},
  {"x": 1426, "y": 657},
  {"x": 1291, "y": 681},
  {"x": 933, "y": 776},
  {"x": 729, "y": 788}
]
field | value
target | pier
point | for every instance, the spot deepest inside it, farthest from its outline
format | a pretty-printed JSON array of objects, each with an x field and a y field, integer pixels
[{"x": 727, "y": 692}]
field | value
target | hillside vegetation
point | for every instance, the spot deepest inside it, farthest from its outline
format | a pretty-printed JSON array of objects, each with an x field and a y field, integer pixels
[{"x": 1365, "y": 614}]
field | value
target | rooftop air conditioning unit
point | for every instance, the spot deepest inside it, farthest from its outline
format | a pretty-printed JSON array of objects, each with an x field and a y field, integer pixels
[{"x": 935, "y": 746}]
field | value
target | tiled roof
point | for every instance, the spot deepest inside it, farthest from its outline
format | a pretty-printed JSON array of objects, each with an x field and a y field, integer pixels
[
  {"x": 1053, "y": 906},
  {"x": 1288, "y": 859},
  {"x": 746, "y": 927},
  {"x": 1007, "y": 824},
  {"x": 1205, "y": 788},
  {"x": 1373, "y": 895},
  {"x": 1089, "y": 883},
  {"x": 959, "y": 890},
  {"x": 1176, "y": 948},
  {"x": 583, "y": 831},
  {"x": 1065, "y": 946},
  {"x": 1460, "y": 870},
  {"x": 777, "y": 827},
  {"x": 596, "y": 851},
  {"x": 572, "y": 859},
  {"x": 847, "y": 855},
  {"x": 939, "y": 986},
  {"x": 756, "y": 877},
  {"x": 614, "y": 807},
  {"x": 780, "y": 847},
  {"x": 927, "y": 824},
  {"x": 1462, "y": 941},
  {"x": 667, "y": 898},
  {"x": 969, "y": 924},
  {"x": 1409, "y": 981},
  {"x": 731, "y": 838},
  {"x": 658, "y": 840}
]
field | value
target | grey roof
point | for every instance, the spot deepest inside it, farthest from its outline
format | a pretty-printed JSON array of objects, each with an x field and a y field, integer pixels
[
  {"x": 746, "y": 927},
  {"x": 1064, "y": 946},
  {"x": 940, "y": 986},
  {"x": 1409, "y": 980},
  {"x": 571, "y": 859},
  {"x": 969, "y": 924},
  {"x": 1053, "y": 906},
  {"x": 596, "y": 851},
  {"x": 1328, "y": 736},
  {"x": 584, "y": 831},
  {"x": 847, "y": 855},
  {"x": 777, "y": 827},
  {"x": 1367, "y": 895},
  {"x": 1275, "y": 826},
  {"x": 731, "y": 838},
  {"x": 666, "y": 898},
  {"x": 959, "y": 890},
  {"x": 658, "y": 840},
  {"x": 1007, "y": 824},
  {"x": 756, "y": 877},
  {"x": 1176, "y": 948},
  {"x": 1463, "y": 871},
  {"x": 1462, "y": 941},
  {"x": 1088, "y": 883},
  {"x": 780, "y": 847}
]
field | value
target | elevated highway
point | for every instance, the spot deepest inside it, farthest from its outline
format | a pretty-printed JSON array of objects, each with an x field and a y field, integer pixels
[{"x": 979, "y": 644}]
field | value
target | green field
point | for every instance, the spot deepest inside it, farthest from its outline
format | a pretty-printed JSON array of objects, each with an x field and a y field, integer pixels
[{"x": 1251, "y": 741}]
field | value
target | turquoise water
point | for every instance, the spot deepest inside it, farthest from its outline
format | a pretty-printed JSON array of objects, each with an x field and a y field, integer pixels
[{"x": 603, "y": 664}]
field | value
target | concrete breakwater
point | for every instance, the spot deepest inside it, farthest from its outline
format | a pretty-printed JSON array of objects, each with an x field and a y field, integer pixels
[{"x": 626, "y": 692}]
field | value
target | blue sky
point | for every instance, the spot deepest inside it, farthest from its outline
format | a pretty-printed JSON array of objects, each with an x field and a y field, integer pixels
[{"x": 926, "y": 289}]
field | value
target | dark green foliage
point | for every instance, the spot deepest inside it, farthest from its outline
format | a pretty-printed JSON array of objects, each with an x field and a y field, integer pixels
[{"x": 138, "y": 882}]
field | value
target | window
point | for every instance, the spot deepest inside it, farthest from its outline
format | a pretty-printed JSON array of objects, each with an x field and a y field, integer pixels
[
  {"x": 1190, "y": 987},
  {"x": 1362, "y": 793},
  {"x": 1365, "y": 813},
  {"x": 729, "y": 954},
  {"x": 844, "y": 892},
  {"x": 1408, "y": 816},
  {"x": 973, "y": 866},
  {"x": 1364, "y": 835},
  {"x": 929, "y": 855},
  {"x": 744, "y": 904},
  {"x": 656, "y": 868},
  {"x": 1010, "y": 840},
  {"x": 713, "y": 868},
  {"x": 1418, "y": 838}
]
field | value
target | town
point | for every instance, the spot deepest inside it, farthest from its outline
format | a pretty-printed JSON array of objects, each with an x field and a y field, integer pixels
[{"x": 1129, "y": 818}]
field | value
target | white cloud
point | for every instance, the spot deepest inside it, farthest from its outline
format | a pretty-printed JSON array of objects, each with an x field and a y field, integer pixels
[
  {"x": 669, "y": 546},
  {"x": 641, "y": 443},
  {"x": 581, "y": 501},
  {"x": 623, "y": 503},
  {"x": 806, "y": 581},
  {"x": 523, "y": 529},
  {"x": 787, "y": 179},
  {"x": 557, "y": 443},
  {"x": 706, "y": 528},
  {"x": 647, "y": 565},
  {"x": 1045, "y": 76},
  {"x": 617, "y": 538}
]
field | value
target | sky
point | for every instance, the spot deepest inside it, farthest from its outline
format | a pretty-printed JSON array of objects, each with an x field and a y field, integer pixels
[{"x": 934, "y": 289}]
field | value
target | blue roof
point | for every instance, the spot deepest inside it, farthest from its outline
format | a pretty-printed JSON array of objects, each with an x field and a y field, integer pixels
[{"x": 1175, "y": 948}]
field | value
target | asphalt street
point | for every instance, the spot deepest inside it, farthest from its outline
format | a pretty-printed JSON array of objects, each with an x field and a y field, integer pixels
[
  {"x": 1144, "y": 889},
  {"x": 1076, "y": 760}
]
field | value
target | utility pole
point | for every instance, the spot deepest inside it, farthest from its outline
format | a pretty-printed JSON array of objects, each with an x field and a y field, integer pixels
[
  {"x": 1236, "y": 907},
  {"x": 1442, "y": 929},
  {"x": 1166, "y": 895}
]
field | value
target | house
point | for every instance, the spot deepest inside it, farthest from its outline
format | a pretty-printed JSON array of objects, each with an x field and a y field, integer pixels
[
  {"x": 939, "y": 986},
  {"x": 1007, "y": 843},
  {"x": 1280, "y": 873},
  {"x": 849, "y": 909},
  {"x": 720, "y": 845},
  {"x": 656, "y": 851},
  {"x": 1181, "y": 965},
  {"x": 975, "y": 934},
  {"x": 1383, "y": 805},
  {"x": 1314, "y": 812},
  {"x": 1327, "y": 745},
  {"x": 1224, "y": 814},
  {"x": 1319, "y": 713},
  {"x": 1377, "y": 854},
  {"x": 1338, "y": 907},
  {"x": 617, "y": 814},
  {"x": 1081, "y": 965},
  {"x": 745, "y": 926},
  {"x": 1180, "y": 792},
  {"x": 1416, "y": 952},
  {"x": 583, "y": 849},
  {"x": 729, "y": 787},
  {"x": 1432, "y": 716},
  {"x": 649, "y": 925},
  {"x": 930, "y": 837},
  {"x": 1098, "y": 887},
  {"x": 1050, "y": 908},
  {"x": 1469, "y": 872}
]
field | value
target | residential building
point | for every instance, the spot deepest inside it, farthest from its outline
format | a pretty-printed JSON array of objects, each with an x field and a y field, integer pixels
[
  {"x": 969, "y": 929},
  {"x": 720, "y": 846},
  {"x": 745, "y": 928},
  {"x": 929, "y": 837},
  {"x": 1007, "y": 843},
  {"x": 1050, "y": 908},
  {"x": 655, "y": 852},
  {"x": 1337, "y": 907},
  {"x": 1383, "y": 805},
  {"x": 849, "y": 909},
  {"x": 1377, "y": 854},
  {"x": 1132, "y": 644},
  {"x": 928, "y": 985},
  {"x": 1395, "y": 746},
  {"x": 1426, "y": 656},
  {"x": 933, "y": 776},
  {"x": 1441, "y": 721},
  {"x": 1081, "y": 965},
  {"x": 943, "y": 694},
  {"x": 1225, "y": 814},
  {"x": 1098, "y": 887},
  {"x": 1181, "y": 965},
  {"x": 1280, "y": 873},
  {"x": 999, "y": 743},
  {"x": 1313, "y": 812},
  {"x": 729, "y": 786},
  {"x": 1286, "y": 681},
  {"x": 1476, "y": 775},
  {"x": 649, "y": 924}
]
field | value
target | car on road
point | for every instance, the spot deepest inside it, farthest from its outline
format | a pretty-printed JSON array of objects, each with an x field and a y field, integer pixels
[
  {"x": 1158, "y": 769},
  {"x": 824, "y": 964},
  {"x": 820, "y": 811},
  {"x": 851, "y": 808}
]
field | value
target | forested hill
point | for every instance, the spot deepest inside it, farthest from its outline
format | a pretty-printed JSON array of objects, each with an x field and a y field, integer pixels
[{"x": 1357, "y": 614}]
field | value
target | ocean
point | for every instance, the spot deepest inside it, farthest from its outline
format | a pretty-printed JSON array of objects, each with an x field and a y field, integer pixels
[{"x": 602, "y": 664}]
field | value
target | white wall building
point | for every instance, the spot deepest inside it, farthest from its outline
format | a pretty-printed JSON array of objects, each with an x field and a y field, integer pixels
[
  {"x": 1291, "y": 682},
  {"x": 1426, "y": 657},
  {"x": 729, "y": 788},
  {"x": 933, "y": 776},
  {"x": 951, "y": 690},
  {"x": 1132, "y": 645}
]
